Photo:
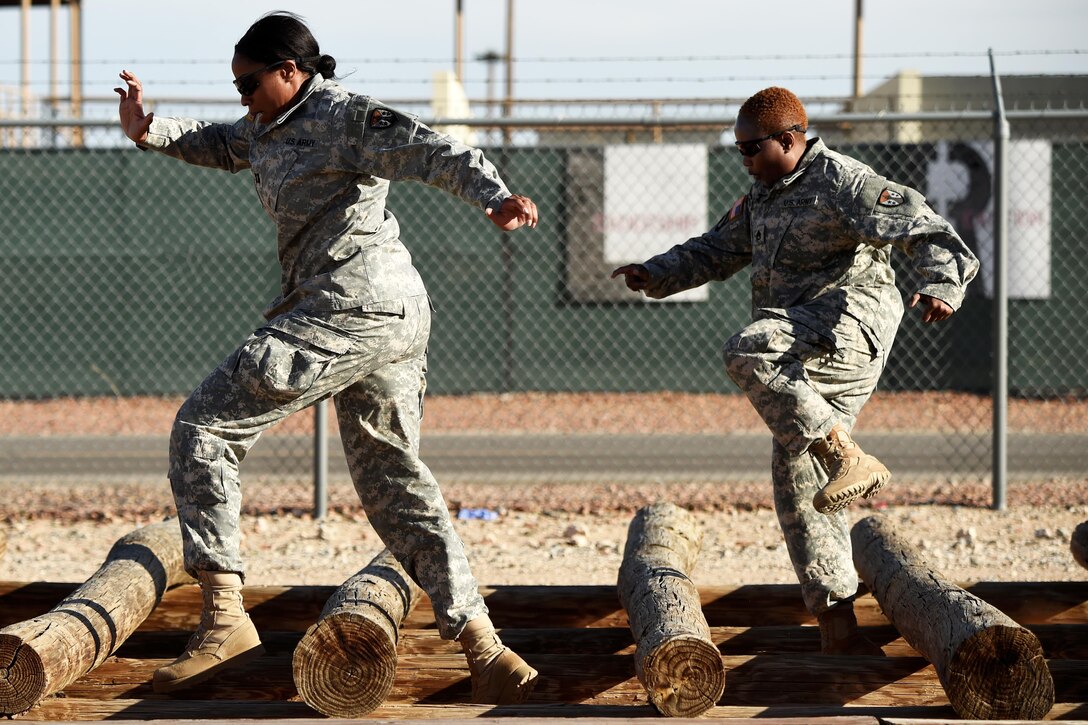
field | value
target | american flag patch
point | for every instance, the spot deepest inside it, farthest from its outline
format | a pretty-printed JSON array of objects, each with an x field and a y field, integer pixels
[{"x": 738, "y": 207}]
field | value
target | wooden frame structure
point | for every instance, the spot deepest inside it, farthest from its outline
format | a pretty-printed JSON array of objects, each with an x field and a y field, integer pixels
[{"x": 578, "y": 637}]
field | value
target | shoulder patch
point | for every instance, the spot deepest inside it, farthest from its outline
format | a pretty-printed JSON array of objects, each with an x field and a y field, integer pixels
[
  {"x": 890, "y": 197},
  {"x": 880, "y": 196},
  {"x": 369, "y": 122},
  {"x": 382, "y": 118},
  {"x": 738, "y": 207},
  {"x": 734, "y": 212}
]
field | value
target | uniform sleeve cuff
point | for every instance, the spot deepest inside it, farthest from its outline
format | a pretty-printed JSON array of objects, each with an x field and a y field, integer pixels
[
  {"x": 156, "y": 139},
  {"x": 947, "y": 293}
]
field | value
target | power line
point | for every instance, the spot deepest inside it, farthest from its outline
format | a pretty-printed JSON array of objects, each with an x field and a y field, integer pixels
[{"x": 603, "y": 59}]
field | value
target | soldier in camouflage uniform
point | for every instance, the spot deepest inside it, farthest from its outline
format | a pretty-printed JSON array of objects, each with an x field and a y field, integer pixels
[
  {"x": 351, "y": 323},
  {"x": 817, "y": 228}
]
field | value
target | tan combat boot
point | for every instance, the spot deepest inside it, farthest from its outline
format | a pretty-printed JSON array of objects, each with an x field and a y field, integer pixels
[
  {"x": 499, "y": 675},
  {"x": 226, "y": 636},
  {"x": 839, "y": 633},
  {"x": 851, "y": 472}
]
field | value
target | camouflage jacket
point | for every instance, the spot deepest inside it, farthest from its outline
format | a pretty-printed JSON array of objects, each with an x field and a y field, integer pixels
[
  {"x": 821, "y": 236},
  {"x": 322, "y": 171}
]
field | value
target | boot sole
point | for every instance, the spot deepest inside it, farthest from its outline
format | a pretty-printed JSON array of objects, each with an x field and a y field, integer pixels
[
  {"x": 831, "y": 503},
  {"x": 516, "y": 690},
  {"x": 167, "y": 686}
]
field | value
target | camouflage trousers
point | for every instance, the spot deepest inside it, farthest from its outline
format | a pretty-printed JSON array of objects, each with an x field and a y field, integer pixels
[
  {"x": 804, "y": 373},
  {"x": 373, "y": 365}
]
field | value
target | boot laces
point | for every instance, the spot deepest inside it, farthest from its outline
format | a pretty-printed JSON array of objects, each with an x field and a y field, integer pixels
[
  {"x": 835, "y": 454},
  {"x": 209, "y": 616}
]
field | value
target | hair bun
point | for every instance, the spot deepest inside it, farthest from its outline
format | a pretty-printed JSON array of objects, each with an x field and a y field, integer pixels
[{"x": 326, "y": 66}]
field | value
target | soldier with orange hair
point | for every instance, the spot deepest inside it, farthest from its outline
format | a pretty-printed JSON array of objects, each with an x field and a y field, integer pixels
[{"x": 816, "y": 228}]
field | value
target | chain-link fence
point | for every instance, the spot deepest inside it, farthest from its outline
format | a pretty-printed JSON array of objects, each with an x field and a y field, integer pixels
[{"x": 127, "y": 276}]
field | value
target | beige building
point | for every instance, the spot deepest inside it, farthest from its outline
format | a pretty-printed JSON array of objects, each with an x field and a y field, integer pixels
[{"x": 912, "y": 93}]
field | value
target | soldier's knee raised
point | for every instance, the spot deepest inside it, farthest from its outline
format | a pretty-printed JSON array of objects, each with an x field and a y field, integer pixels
[{"x": 736, "y": 358}]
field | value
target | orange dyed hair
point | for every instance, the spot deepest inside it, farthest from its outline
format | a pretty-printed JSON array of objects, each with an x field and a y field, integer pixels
[{"x": 775, "y": 108}]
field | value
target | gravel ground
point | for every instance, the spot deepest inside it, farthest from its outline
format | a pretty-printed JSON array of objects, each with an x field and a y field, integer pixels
[
  {"x": 566, "y": 533},
  {"x": 552, "y": 535}
]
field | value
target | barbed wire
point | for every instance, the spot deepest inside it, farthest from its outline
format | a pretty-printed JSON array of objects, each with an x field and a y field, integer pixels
[{"x": 607, "y": 59}]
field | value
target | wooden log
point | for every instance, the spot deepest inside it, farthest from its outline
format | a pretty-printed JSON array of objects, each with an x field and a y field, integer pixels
[
  {"x": 675, "y": 658},
  {"x": 3, "y": 541},
  {"x": 989, "y": 666},
  {"x": 295, "y": 608},
  {"x": 346, "y": 663},
  {"x": 757, "y": 680},
  {"x": 1078, "y": 544},
  {"x": 45, "y": 654}
]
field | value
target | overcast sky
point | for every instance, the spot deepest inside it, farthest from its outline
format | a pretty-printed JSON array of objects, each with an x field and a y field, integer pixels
[{"x": 573, "y": 48}]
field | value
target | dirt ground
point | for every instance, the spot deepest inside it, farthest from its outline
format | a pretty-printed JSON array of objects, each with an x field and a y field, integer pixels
[
  {"x": 657, "y": 412},
  {"x": 565, "y": 533},
  {"x": 551, "y": 536}
]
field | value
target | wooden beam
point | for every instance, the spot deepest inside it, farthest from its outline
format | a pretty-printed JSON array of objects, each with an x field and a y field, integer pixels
[
  {"x": 1060, "y": 641},
  {"x": 754, "y": 680},
  {"x": 989, "y": 666},
  {"x": 221, "y": 712},
  {"x": 675, "y": 659},
  {"x": 295, "y": 608},
  {"x": 45, "y": 654},
  {"x": 1078, "y": 544},
  {"x": 217, "y": 712},
  {"x": 346, "y": 662}
]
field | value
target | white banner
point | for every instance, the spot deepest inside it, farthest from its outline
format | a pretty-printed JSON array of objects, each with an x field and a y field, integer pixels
[
  {"x": 960, "y": 184},
  {"x": 655, "y": 196}
]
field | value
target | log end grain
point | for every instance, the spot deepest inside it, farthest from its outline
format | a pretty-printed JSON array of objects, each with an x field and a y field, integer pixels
[
  {"x": 1078, "y": 544},
  {"x": 22, "y": 676},
  {"x": 1000, "y": 673},
  {"x": 345, "y": 665},
  {"x": 684, "y": 676}
]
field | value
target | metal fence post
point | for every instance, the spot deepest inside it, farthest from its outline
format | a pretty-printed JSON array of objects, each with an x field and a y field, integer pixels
[
  {"x": 321, "y": 459},
  {"x": 1000, "y": 391}
]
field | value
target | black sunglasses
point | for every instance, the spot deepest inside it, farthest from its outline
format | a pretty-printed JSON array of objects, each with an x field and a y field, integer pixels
[
  {"x": 248, "y": 82},
  {"x": 753, "y": 147}
]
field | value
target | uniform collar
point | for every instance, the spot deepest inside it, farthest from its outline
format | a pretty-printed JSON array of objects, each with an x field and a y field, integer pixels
[
  {"x": 315, "y": 82},
  {"x": 305, "y": 92},
  {"x": 814, "y": 147}
]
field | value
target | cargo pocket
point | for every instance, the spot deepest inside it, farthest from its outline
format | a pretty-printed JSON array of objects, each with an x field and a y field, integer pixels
[
  {"x": 854, "y": 344},
  {"x": 284, "y": 359},
  {"x": 199, "y": 475}
]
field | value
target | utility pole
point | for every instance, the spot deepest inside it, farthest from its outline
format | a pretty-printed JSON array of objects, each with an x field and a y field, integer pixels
[
  {"x": 459, "y": 41},
  {"x": 857, "y": 47},
  {"x": 508, "y": 105},
  {"x": 491, "y": 58}
]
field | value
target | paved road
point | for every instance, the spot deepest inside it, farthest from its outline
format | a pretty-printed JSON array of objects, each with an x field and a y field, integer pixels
[{"x": 559, "y": 457}]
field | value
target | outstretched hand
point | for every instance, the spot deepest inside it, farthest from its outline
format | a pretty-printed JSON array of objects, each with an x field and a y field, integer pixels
[
  {"x": 933, "y": 309},
  {"x": 516, "y": 211},
  {"x": 635, "y": 276},
  {"x": 134, "y": 122}
]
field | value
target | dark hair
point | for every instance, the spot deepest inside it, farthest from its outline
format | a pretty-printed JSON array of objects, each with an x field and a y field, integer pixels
[
  {"x": 281, "y": 35},
  {"x": 774, "y": 108}
]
